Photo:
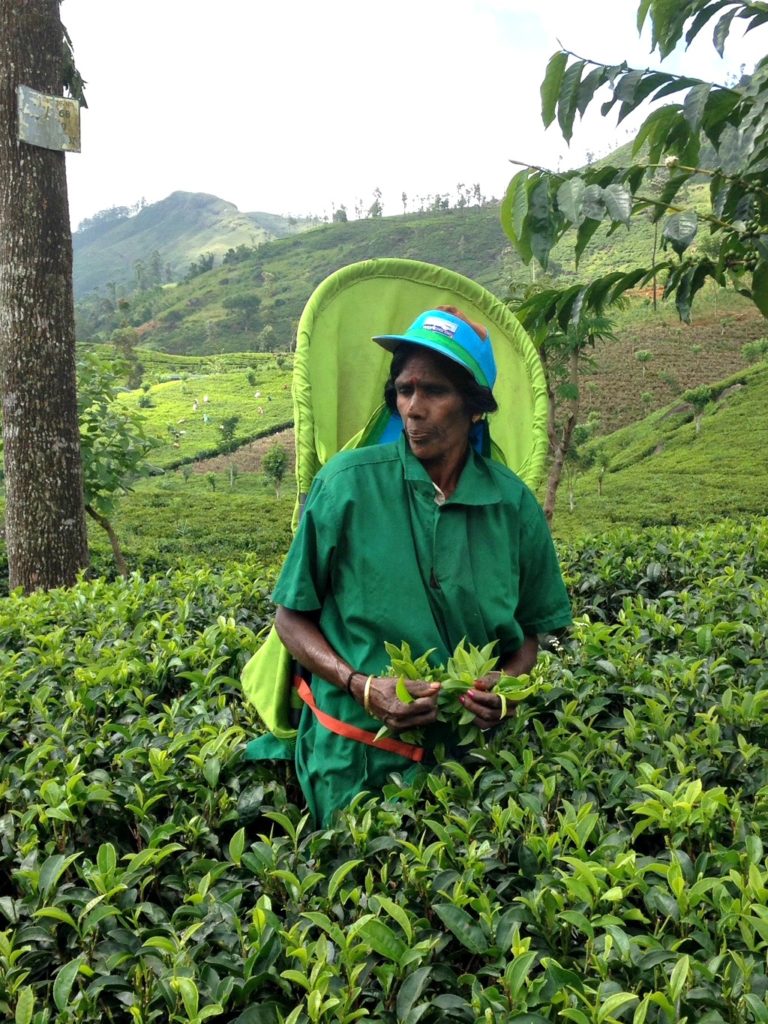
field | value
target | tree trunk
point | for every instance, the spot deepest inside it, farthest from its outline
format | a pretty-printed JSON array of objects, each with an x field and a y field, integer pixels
[
  {"x": 117, "y": 551},
  {"x": 45, "y": 520},
  {"x": 560, "y": 445}
]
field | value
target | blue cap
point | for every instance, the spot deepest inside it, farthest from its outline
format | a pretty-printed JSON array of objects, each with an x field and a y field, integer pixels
[{"x": 452, "y": 337}]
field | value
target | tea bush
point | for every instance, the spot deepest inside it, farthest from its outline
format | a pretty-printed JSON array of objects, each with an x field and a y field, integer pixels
[{"x": 599, "y": 860}]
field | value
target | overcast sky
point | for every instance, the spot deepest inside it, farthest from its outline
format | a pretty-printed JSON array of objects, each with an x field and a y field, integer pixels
[{"x": 294, "y": 106}]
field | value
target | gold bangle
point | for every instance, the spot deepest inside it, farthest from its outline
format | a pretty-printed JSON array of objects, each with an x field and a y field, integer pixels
[{"x": 367, "y": 695}]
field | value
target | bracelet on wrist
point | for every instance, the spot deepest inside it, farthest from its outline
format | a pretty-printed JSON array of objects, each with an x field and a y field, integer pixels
[
  {"x": 350, "y": 677},
  {"x": 367, "y": 695}
]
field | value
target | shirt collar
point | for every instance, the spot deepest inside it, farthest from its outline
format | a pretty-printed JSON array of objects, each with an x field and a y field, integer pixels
[{"x": 476, "y": 484}]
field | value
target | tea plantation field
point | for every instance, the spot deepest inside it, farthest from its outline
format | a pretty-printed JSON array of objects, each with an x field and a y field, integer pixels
[{"x": 601, "y": 859}]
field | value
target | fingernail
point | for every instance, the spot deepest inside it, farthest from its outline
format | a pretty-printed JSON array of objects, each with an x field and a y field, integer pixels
[{"x": 471, "y": 693}]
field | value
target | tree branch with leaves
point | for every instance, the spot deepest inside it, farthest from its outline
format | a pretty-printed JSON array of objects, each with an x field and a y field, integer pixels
[
  {"x": 712, "y": 131},
  {"x": 113, "y": 444}
]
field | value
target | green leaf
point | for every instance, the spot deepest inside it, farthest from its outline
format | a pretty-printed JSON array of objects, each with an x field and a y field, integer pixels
[
  {"x": 570, "y": 200},
  {"x": 668, "y": 193},
  {"x": 680, "y": 230},
  {"x": 514, "y": 211},
  {"x": 403, "y": 693},
  {"x": 618, "y": 202},
  {"x": 380, "y": 937},
  {"x": 458, "y": 921},
  {"x": 297, "y": 978},
  {"x": 211, "y": 771},
  {"x": 615, "y": 1004},
  {"x": 397, "y": 913},
  {"x": 590, "y": 83},
  {"x": 62, "y": 986},
  {"x": 56, "y": 914},
  {"x": 52, "y": 870},
  {"x": 642, "y": 14},
  {"x": 594, "y": 204},
  {"x": 541, "y": 223},
  {"x": 106, "y": 859},
  {"x": 550, "y": 87},
  {"x": 679, "y": 977},
  {"x": 189, "y": 995},
  {"x": 642, "y": 84},
  {"x": 561, "y": 977},
  {"x": 583, "y": 237},
  {"x": 569, "y": 97},
  {"x": 655, "y": 130},
  {"x": 236, "y": 846},
  {"x": 520, "y": 206},
  {"x": 25, "y": 1005},
  {"x": 339, "y": 875},
  {"x": 517, "y": 972},
  {"x": 702, "y": 18},
  {"x": 695, "y": 104},
  {"x": 760, "y": 287},
  {"x": 722, "y": 28},
  {"x": 757, "y": 1006},
  {"x": 737, "y": 143},
  {"x": 160, "y": 942},
  {"x": 577, "y": 1016},
  {"x": 410, "y": 991}
]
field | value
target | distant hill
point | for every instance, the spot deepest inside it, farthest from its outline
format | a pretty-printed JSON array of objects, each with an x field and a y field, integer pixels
[
  {"x": 174, "y": 232},
  {"x": 252, "y": 302}
]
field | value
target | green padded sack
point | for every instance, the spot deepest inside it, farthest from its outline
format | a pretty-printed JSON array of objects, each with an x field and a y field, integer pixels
[{"x": 338, "y": 383}]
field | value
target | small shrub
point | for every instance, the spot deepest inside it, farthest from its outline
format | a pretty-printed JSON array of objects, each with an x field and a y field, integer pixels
[{"x": 754, "y": 351}]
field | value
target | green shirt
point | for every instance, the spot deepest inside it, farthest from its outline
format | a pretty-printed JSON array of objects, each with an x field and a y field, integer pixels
[{"x": 380, "y": 559}]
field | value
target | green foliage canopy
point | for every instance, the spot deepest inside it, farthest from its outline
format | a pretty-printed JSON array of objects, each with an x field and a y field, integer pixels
[
  {"x": 601, "y": 859},
  {"x": 112, "y": 440},
  {"x": 718, "y": 132}
]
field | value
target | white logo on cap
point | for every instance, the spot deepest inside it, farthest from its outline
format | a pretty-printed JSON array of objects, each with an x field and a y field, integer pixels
[{"x": 440, "y": 326}]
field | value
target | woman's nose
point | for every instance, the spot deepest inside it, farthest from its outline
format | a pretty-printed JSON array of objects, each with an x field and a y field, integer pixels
[{"x": 413, "y": 407}]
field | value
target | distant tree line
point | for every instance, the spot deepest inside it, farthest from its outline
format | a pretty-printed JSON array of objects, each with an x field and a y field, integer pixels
[
  {"x": 112, "y": 215},
  {"x": 464, "y": 197}
]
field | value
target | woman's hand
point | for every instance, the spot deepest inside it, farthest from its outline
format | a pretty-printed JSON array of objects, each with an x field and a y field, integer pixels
[
  {"x": 484, "y": 704},
  {"x": 386, "y": 706}
]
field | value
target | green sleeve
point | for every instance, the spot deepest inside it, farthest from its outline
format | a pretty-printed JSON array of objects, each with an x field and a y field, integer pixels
[
  {"x": 543, "y": 603},
  {"x": 303, "y": 579}
]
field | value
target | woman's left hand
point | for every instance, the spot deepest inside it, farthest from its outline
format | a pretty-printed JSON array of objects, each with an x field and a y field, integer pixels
[{"x": 484, "y": 703}]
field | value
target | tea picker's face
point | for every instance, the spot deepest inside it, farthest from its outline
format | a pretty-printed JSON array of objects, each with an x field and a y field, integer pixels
[{"x": 432, "y": 408}]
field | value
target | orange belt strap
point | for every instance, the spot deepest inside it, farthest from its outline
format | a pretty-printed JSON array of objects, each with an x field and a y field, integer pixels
[{"x": 352, "y": 732}]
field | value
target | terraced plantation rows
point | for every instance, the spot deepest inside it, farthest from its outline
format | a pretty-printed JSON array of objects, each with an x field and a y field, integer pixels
[{"x": 600, "y": 860}]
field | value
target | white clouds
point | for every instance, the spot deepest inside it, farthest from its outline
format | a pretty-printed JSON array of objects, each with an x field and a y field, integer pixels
[{"x": 291, "y": 106}]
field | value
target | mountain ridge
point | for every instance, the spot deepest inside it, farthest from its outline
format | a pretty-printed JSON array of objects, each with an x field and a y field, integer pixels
[{"x": 179, "y": 228}]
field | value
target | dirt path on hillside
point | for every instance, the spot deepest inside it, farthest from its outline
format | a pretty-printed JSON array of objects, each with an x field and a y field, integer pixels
[{"x": 248, "y": 458}]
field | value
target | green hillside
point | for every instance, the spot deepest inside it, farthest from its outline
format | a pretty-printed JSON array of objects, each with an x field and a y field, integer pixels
[
  {"x": 664, "y": 470},
  {"x": 187, "y": 403},
  {"x": 171, "y": 233},
  {"x": 253, "y": 302},
  {"x": 660, "y": 472}
]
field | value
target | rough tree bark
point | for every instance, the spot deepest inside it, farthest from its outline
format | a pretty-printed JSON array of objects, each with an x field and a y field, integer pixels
[{"x": 45, "y": 520}]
